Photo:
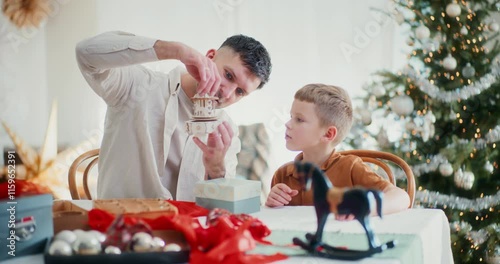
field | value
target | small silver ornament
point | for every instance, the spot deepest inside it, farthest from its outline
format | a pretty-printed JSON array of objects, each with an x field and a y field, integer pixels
[
  {"x": 100, "y": 236},
  {"x": 87, "y": 244},
  {"x": 112, "y": 250},
  {"x": 141, "y": 242},
  {"x": 66, "y": 235},
  {"x": 449, "y": 63},
  {"x": 493, "y": 26},
  {"x": 422, "y": 32},
  {"x": 445, "y": 169},
  {"x": 402, "y": 105},
  {"x": 489, "y": 167},
  {"x": 468, "y": 71},
  {"x": 453, "y": 10},
  {"x": 172, "y": 247},
  {"x": 464, "y": 30},
  {"x": 60, "y": 248},
  {"x": 464, "y": 179},
  {"x": 158, "y": 243}
]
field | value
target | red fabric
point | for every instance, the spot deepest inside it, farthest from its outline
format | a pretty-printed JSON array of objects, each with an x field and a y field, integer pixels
[
  {"x": 224, "y": 240},
  {"x": 189, "y": 208},
  {"x": 21, "y": 188}
]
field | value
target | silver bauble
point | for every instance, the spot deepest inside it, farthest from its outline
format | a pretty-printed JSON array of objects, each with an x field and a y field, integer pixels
[
  {"x": 402, "y": 105},
  {"x": 468, "y": 71},
  {"x": 453, "y": 10}
]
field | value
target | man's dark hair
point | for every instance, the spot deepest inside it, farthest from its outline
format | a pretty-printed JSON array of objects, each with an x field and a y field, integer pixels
[{"x": 253, "y": 54}]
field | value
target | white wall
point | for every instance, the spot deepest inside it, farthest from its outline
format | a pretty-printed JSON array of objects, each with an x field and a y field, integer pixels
[{"x": 304, "y": 38}]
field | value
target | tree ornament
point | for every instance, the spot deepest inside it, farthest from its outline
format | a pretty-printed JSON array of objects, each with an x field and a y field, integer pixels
[
  {"x": 428, "y": 129},
  {"x": 26, "y": 13},
  {"x": 489, "y": 167},
  {"x": 422, "y": 32},
  {"x": 430, "y": 45},
  {"x": 366, "y": 116},
  {"x": 468, "y": 71},
  {"x": 453, "y": 10},
  {"x": 493, "y": 26},
  {"x": 445, "y": 169},
  {"x": 60, "y": 248},
  {"x": 383, "y": 139},
  {"x": 464, "y": 179},
  {"x": 453, "y": 115},
  {"x": 378, "y": 90},
  {"x": 402, "y": 105},
  {"x": 449, "y": 63},
  {"x": 464, "y": 30}
]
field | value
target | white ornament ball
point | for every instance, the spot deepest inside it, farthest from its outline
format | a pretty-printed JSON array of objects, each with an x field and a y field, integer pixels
[
  {"x": 453, "y": 115},
  {"x": 449, "y": 63},
  {"x": 468, "y": 181},
  {"x": 172, "y": 247},
  {"x": 422, "y": 32},
  {"x": 87, "y": 244},
  {"x": 158, "y": 243},
  {"x": 445, "y": 169},
  {"x": 402, "y": 105},
  {"x": 493, "y": 26},
  {"x": 67, "y": 236},
  {"x": 464, "y": 179},
  {"x": 468, "y": 71},
  {"x": 464, "y": 30},
  {"x": 112, "y": 250},
  {"x": 141, "y": 242},
  {"x": 453, "y": 10},
  {"x": 489, "y": 167},
  {"x": 378, "y": 90},
  {"x": 101, "y": 237},
  {"x": 366, "y": 117},
  {"x": 60, "y": 248}
]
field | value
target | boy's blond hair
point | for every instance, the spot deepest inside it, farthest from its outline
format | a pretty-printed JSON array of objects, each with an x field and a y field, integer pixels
[{"x": 332, "y": 104}]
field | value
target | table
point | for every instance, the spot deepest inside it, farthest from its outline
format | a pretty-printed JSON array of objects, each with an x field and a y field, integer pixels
[
  {"x": 429, "y": 227},
  {"x": 425, "y": 233}
]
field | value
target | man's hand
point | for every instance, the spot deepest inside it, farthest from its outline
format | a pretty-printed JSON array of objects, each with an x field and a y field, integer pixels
[
  {"x": 215, "y": 150},
  {"x": 280, "y": 195},
  {"x": 202, "y": 68}
]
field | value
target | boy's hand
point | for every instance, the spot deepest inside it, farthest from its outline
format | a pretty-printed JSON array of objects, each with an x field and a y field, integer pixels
[{"x": 280, "y": 195}]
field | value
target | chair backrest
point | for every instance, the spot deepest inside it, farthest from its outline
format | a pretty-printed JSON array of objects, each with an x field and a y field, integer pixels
[
  {"x": 93, "y": 156},
  {"x": 380, "y": 159}
]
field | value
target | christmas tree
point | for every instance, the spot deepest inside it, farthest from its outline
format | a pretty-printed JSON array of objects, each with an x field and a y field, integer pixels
[{"x": 441, "y": 113}]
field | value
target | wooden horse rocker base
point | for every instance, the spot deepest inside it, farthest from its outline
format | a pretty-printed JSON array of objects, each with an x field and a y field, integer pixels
[{"x": 354, "y": 201}]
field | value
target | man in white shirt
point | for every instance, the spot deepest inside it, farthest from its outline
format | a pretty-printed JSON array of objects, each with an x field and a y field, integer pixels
[{"x": 145, "y": 151}]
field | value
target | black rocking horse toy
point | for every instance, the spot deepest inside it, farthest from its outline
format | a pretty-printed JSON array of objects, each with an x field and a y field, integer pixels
[{"x": 355, "y": 201}]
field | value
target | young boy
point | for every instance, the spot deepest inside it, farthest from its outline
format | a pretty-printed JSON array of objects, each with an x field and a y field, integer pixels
[{"x": 321, "y": 117}]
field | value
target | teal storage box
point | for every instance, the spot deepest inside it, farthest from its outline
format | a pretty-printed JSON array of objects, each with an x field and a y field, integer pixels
[
  {"x": 235, "y": 195},
  {"x": 25, "y": 225}
]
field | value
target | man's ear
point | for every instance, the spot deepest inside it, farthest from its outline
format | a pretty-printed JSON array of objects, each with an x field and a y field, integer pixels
[
  {"x": 211, "y": 53},
  {"x": 330, "y": 133}
]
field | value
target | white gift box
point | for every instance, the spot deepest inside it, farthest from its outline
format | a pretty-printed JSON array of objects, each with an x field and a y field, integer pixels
[{"x": 235, "y": 195}]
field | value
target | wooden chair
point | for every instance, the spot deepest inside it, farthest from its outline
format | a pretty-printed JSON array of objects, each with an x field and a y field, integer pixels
[
  {"x": 73, "y": 188},
  {"x": 380, "y": 159}
]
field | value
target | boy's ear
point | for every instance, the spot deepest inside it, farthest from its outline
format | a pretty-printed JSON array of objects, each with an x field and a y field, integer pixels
[
  {"x": 330, "y": 133},
  {"x": 211, "y": 53}
]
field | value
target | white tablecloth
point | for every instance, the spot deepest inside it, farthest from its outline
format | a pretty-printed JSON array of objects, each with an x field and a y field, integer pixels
[{"x": 430, "y": 225}]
